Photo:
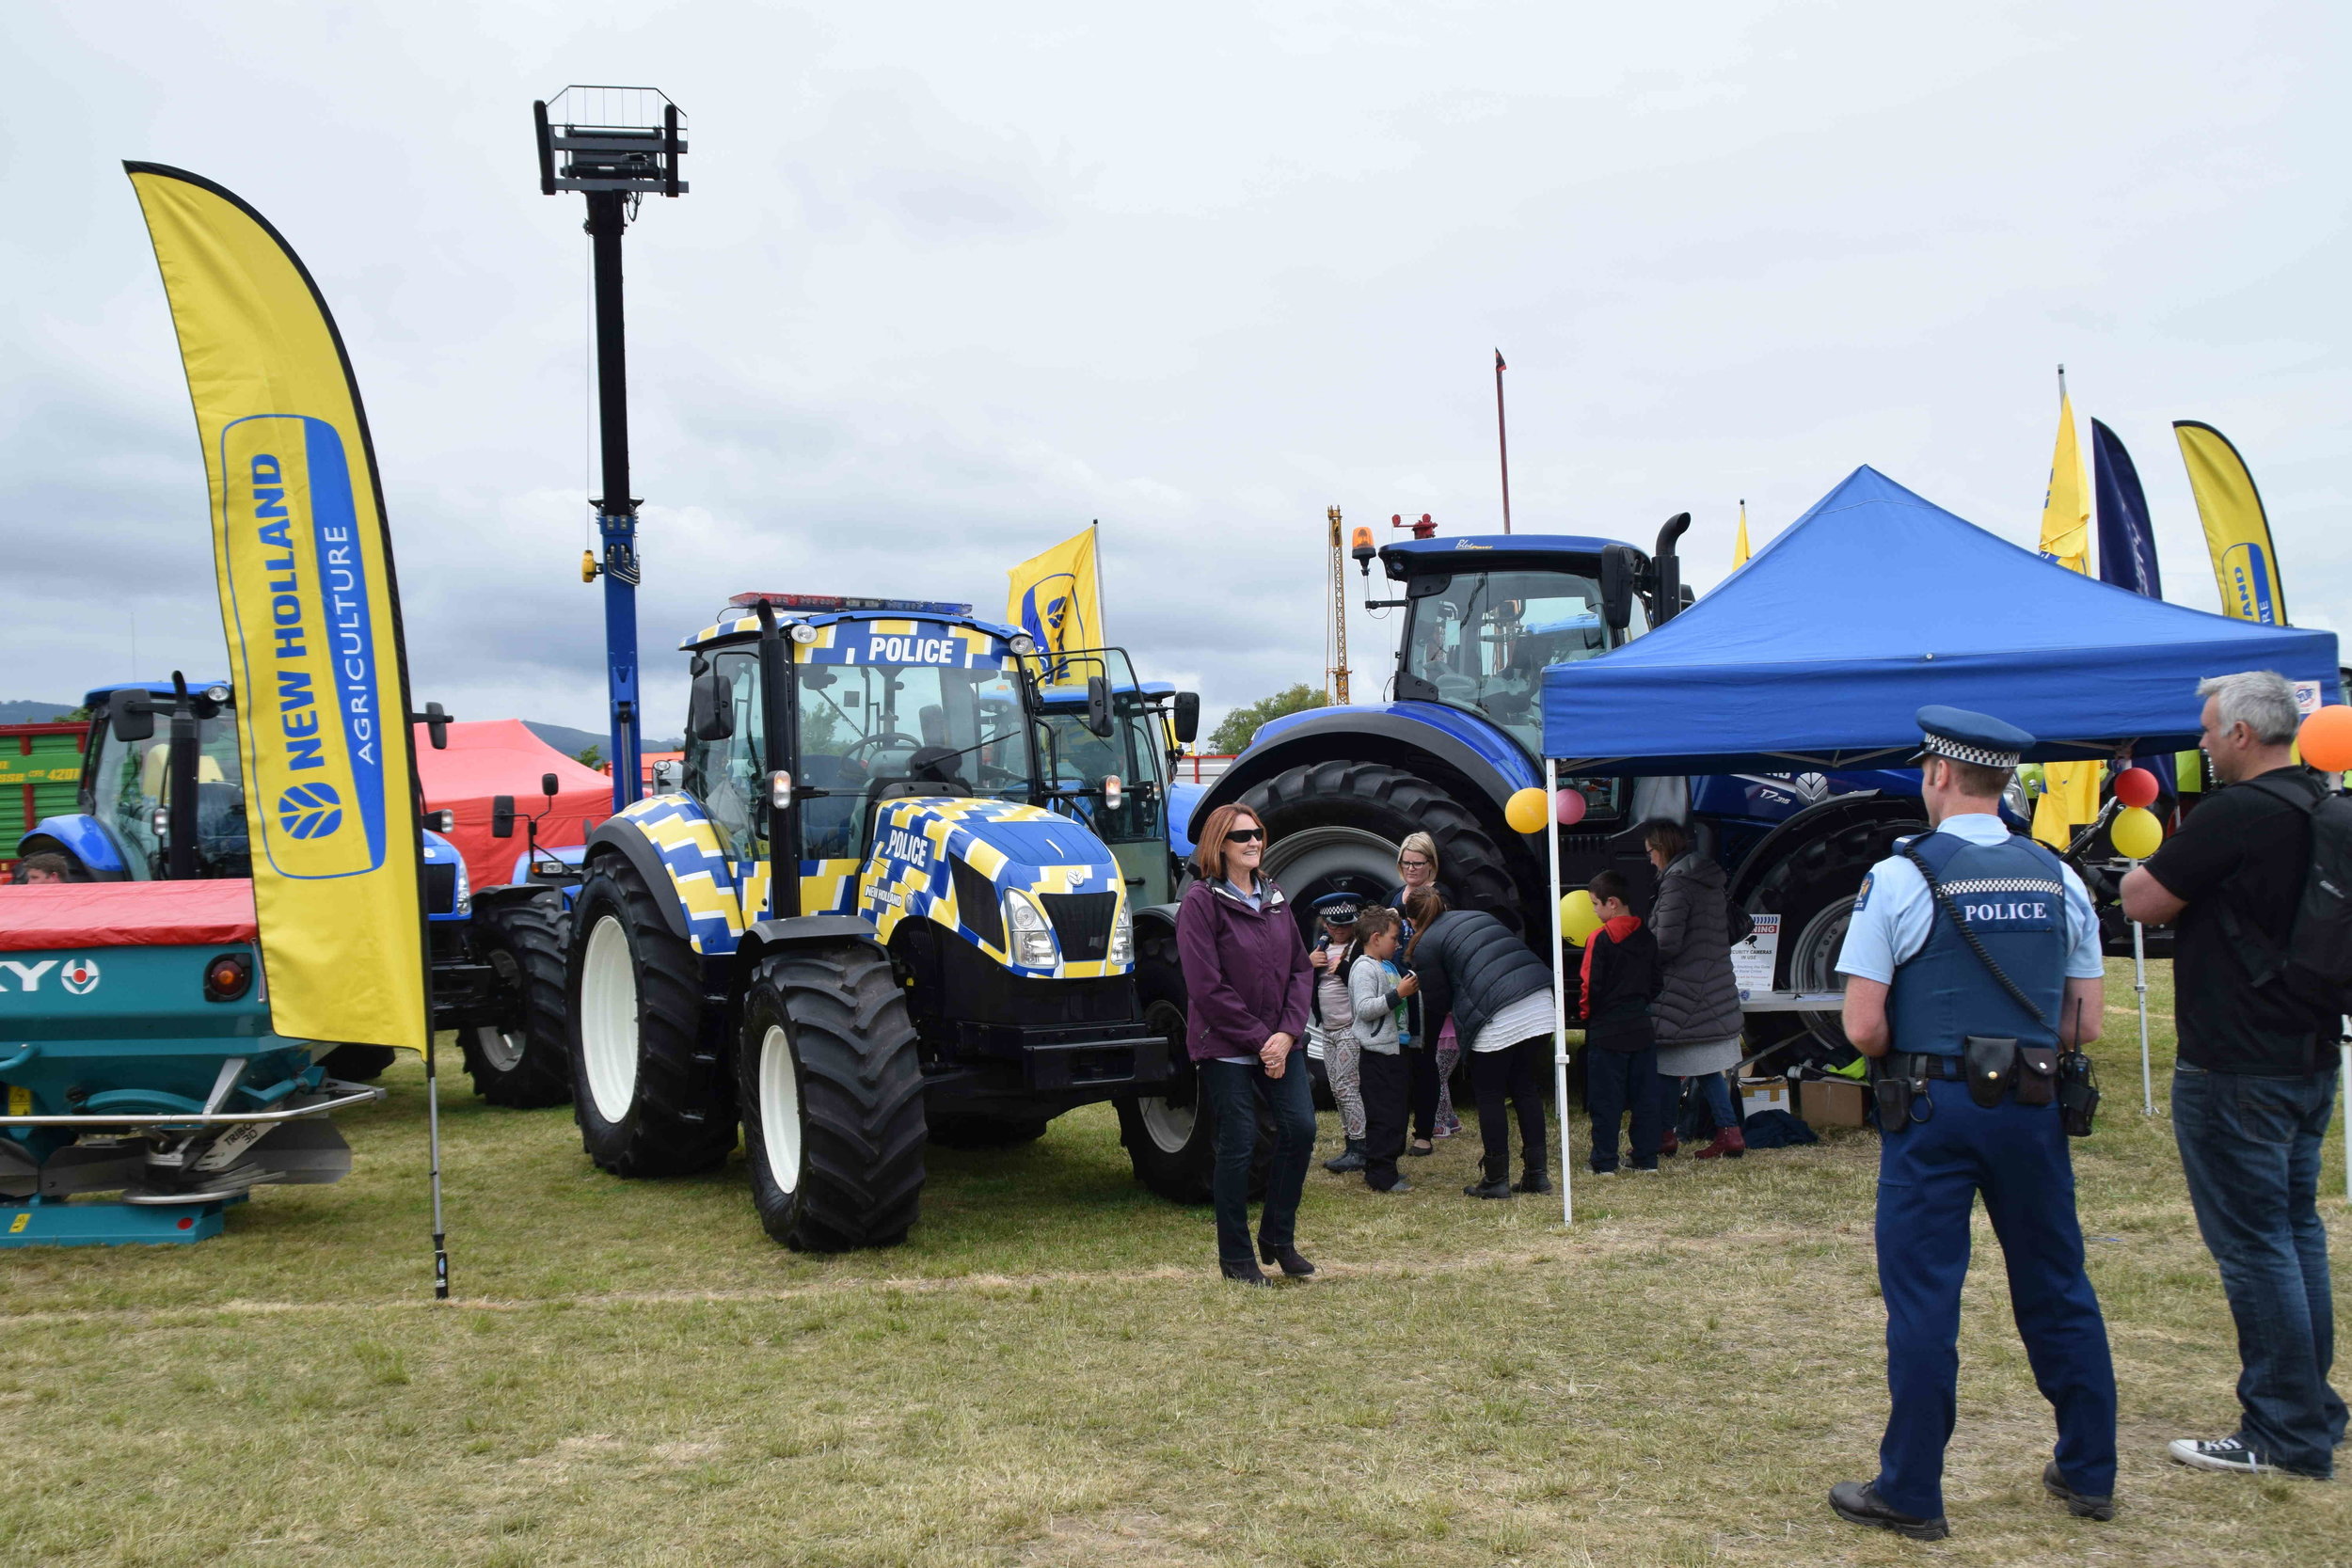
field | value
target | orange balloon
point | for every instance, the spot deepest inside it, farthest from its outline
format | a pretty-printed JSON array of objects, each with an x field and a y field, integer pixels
[{"x": 2326, "y": 739}]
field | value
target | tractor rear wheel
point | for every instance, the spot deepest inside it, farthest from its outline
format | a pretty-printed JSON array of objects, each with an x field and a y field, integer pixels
[
  {"x": 1813, "y": 888},
  {"x": 1334, "y": 827},
  {"x": 523, "y": 1061},
  {"x": 832, "y": 1094},
  {"x": 1171, "y": 1136},
  {"x": 651, "y": 1101}
]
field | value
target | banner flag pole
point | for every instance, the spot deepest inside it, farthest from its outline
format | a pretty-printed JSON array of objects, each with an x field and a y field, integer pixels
[
  {"x": 1503, "y": 440},
  {"x": 1559, "y": 995}
]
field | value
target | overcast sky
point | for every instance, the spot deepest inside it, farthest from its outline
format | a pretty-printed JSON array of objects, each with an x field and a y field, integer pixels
[{"x": 954, "y": 280}]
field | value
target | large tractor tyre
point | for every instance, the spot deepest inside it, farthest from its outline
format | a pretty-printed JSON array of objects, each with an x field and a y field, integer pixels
[
  {"x": 1813, "y": 888},
  {"x": 1334, "y": 827},
  {"x": 1171, "y": 1136},
  {"x": 650, "y": 1099},
  {"x": 986, "y": 1132},
  {"x": 523, "y": 1062},
  {"x": 832, "y": 1094},
  {"x": 359, "y": 1063}
]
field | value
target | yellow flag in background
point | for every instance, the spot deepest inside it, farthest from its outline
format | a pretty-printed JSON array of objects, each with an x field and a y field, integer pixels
[
  {"x": 305, "y": 570},
  {"x": 2072, "y": 796},
  {"x": 1055, "y": 598},
  {"x": 2236, "y": 531},
  {"x": 1740, "y": 545}
]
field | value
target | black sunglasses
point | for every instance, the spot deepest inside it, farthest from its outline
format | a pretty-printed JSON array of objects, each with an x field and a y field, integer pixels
[{"x": 1246, "y": 835}]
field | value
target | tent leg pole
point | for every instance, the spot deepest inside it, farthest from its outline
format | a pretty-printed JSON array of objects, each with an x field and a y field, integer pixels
[
  {"x": 2344, "y": 1076},
  {"x": 1559, "y": 993},
  {"x": 2140, "y": 984}
]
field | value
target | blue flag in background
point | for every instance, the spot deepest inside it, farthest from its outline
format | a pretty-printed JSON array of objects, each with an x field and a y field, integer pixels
[{"x": 2127, "y": 544}]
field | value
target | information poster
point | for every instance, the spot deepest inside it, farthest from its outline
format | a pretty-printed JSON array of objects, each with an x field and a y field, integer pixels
[{"x": 1752, "y": 959}]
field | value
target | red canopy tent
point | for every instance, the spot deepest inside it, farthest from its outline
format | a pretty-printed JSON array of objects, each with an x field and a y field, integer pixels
[{"x": 500, "y": 756}]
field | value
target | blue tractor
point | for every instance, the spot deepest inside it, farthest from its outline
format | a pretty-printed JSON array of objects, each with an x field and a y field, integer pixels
[
  {"x": 870, "y": 916},
  {"x": 1481, "y": 617},
  {"x": 170, "y": 806}
]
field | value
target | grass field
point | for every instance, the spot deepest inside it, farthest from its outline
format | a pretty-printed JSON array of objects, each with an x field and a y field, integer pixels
[{"x": 1048, "y": 1372}]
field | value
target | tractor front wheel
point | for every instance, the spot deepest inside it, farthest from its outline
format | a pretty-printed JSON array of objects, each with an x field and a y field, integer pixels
[
  {"x": 522, "y": 1061},
  {"x": 651, "y": 1101},
  {"x": 831, "y": 1093}
]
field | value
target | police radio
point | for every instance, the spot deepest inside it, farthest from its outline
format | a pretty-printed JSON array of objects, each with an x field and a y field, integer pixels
[{"x": 2077, "y": 1086}]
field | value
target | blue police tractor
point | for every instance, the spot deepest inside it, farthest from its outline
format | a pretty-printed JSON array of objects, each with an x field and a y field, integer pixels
[
  {"x": 872, "y": 914},
  {"x": 168, "y": 803},
  {"x": 1479, "y": 618}
]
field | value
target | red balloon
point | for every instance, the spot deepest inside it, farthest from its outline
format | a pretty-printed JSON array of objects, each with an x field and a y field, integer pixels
[
  {"x": 1569, "y": 805},
  {"x": 2135, "y": 787}
]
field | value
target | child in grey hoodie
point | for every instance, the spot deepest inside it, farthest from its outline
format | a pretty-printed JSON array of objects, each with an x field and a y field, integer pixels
[{"x": 1376, "y": 991}]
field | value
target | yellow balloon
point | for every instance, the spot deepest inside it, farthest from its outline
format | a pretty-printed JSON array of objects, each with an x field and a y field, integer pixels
[
  {"x": 1578, "y": 920},
  {"x": 2135, "y": 833},
  {"x": 1527, "y": 811}
]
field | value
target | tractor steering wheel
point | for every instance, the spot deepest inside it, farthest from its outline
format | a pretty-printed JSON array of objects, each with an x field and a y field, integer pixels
[{"x": 883, "y": 738}]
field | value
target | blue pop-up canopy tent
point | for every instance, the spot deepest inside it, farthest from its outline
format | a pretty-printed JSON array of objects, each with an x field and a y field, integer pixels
[{"x": 1819, "y": 651}]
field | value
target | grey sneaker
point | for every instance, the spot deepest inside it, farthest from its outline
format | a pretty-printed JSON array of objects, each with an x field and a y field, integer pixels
[{"x": 2221, "y": 1453}]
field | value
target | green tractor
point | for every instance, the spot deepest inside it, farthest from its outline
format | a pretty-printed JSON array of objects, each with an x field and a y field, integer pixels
[{"x": 857, "y": 926}]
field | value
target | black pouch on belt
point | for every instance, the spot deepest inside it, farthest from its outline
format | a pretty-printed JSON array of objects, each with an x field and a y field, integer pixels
[
  {"x": 2037, "y": 1074},
  {"x": 1894, "y": 1102},
  {"x": 1992, "y": 1062}
]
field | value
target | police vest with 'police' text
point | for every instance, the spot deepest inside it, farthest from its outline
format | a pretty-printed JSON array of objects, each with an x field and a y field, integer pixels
[{"x": 2013, "y": 896}]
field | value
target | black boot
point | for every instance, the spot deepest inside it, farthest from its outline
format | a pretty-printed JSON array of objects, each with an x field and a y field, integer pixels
[
  {"x": 1535, "y": 1181},
  {"x": 1293, "y": 1264},
  {"x": 1858, "y": 1502},
  {"x": 1244, "y": 1273},
  {"x": 1488, "y": 1189},
  {"x": 1351, "y": 1158}
]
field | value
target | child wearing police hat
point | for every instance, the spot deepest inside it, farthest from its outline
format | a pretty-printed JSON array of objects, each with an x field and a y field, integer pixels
[{"x": 1330, "y": 1037}]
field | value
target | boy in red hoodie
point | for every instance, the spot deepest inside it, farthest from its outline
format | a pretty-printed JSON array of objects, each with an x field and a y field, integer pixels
[{"x": 1622, "y": 975}]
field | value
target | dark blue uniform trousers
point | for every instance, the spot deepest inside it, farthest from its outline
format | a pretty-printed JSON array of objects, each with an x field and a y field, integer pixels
[{"x": 1929, "y": 1175}]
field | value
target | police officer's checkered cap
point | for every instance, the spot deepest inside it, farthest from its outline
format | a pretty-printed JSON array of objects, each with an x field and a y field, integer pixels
[{"x": 1960, "y": 751}]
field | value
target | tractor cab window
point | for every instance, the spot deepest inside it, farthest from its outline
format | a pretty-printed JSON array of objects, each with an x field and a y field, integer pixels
[
  {"x": 130, "y": 786},
  {"x": 729, "y": 775},
  {"x": 1077, "y": 761},
  {"x": 874, "y": 732},
  {"x": 1483, "y": 640}
]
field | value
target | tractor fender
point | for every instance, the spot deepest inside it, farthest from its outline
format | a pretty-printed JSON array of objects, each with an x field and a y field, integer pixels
[
  {"x": 86, "y": 839},
  {"x": 800, "y": 931},
  {"x": 1413, "y": 736},
  {"x": 1828, "y": 816},
  {"x": 619, "y": 835}
]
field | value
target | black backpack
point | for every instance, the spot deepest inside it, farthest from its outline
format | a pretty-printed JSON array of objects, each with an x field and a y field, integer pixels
[{"x": 2316, "y": 964}]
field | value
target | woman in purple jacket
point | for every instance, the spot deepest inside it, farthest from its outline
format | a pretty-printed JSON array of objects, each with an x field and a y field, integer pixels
[{"x": 1247, "y": 980}]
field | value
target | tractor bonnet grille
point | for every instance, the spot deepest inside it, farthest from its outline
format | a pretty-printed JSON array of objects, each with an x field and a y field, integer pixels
[
  {"x": 977, "y": 904},
  {"x": 441, "y": 889},
  {"x": 1082, "y": 922}
]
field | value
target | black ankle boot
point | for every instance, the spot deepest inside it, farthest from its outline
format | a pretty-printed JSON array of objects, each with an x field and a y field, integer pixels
[
  {"x": 1351, "y": 1158},
  {"x": 1293, "y": 1264},
  {"x": 1244, "y": 1273}
]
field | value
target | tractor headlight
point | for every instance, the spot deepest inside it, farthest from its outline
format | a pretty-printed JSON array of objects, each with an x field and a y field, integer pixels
[
  {"x": 1124, "y": 937},
  {"x": 1028, "y": 934},
  {"x": 1022, "y": 643},
  {"x": 465, "y": 888}
]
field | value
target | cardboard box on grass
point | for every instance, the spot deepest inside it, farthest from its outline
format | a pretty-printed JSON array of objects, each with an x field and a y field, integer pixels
[
  {"x": 1833, "y": 1103},
  {"x": 1763, "y": 1094}
]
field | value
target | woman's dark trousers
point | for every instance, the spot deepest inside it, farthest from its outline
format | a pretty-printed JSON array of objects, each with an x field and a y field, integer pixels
[
  {"x": 1234, "y": 1092},
  {"x": 1616, "y": 1082},
  {"x": 1385, "y": 1081},
  {"x": 1515, "y": 1071},
  {"x": 1421, "y": 1062}
]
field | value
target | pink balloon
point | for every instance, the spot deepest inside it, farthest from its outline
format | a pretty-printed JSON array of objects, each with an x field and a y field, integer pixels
[{"x": 1569, "y": 806}]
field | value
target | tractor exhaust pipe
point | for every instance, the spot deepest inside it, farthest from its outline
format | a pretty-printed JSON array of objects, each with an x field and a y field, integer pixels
[{"x": 1666, "y": 570}]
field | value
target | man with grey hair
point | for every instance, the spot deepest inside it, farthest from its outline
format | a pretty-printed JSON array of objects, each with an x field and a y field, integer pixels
[{"x": 2255, "y": 1079}]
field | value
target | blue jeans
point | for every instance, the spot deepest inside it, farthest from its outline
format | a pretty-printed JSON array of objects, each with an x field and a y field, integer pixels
[
  {"x": 1713, "y": 1089},
  {"x": 1929, "y": 1175},
  {"x": 1234, "y": 1092},
  {"x": 1616, "y": 1082},
  {"x": 2249, "y": 1147}
]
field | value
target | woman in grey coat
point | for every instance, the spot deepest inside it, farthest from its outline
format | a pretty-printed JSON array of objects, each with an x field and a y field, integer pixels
[{"x": 1697, "y": 1014}]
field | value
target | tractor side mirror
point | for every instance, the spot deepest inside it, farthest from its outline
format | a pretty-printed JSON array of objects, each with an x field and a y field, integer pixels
[
  {"x": 1187, "y": 717},
  {"x": 548, "y": 785},
  {"x": 1099, "y": 706},
  {"x": 1617, "y": 572},
  {"x": 501, "y": 817},
  {"x": 711, "y": 708},
  {"x": 130, "y": 716}
]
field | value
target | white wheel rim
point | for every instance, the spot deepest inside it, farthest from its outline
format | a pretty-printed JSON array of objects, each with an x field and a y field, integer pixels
[
  {"x": 1169, "y": 1127},
  {"x": 608, "y": 1019},
  {"x": 501, "y": 1049},
  {"x": 780, "y": 1109},
  {"x": 1297, "y": 861},
  {"x": 1813, "y": 960}
]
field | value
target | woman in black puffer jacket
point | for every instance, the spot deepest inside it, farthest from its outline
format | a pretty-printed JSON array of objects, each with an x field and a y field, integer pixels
[
  {"x": 1500, "y": 994},
  {"x": 1697, "y": 1014}
]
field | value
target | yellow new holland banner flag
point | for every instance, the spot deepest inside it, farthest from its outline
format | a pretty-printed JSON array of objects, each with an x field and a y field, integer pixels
[
  {"x": 307, "y": 601},
  {"x": 2236, "y": 531},
  {"x": 2072, "y": 795},
  {"x": 1055, "y": 598}
]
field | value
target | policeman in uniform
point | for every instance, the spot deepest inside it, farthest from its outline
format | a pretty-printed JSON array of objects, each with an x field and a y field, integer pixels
[{"x": 1922, "y": 998}]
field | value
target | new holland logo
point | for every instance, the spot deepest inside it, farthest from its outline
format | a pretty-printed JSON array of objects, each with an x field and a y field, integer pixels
[
  {"x": 80, "y": 976},
  {"x": 310, "y": 811}
]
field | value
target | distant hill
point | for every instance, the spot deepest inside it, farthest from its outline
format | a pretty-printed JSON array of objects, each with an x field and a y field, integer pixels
[
  {"x": 34, "y": 712},
  {"x": 572, "y": 742}
]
